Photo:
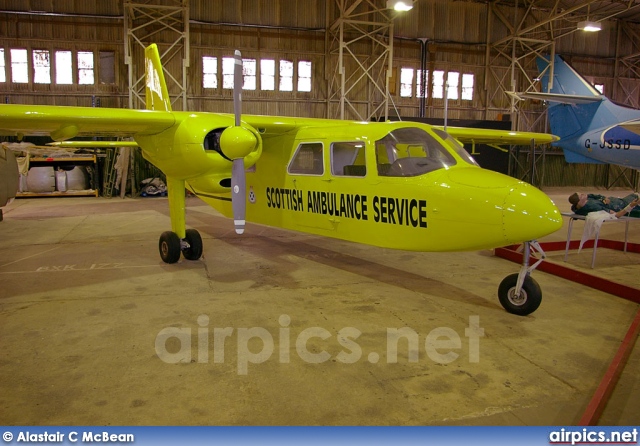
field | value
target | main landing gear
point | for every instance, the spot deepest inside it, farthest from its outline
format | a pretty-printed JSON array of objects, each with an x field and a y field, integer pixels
[
  {"x": 519, "y": 293},
  {"x": 171, "y": 246}
]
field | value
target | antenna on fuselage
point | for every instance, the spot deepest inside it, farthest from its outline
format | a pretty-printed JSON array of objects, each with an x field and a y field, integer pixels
[{"x": 446, "y": 103}]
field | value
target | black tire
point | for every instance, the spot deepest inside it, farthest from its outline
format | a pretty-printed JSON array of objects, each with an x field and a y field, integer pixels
[
  {"x": 169, "y": 247},
  {"x": 527, "y": 302},
  {"x": 194, "y": 252}
]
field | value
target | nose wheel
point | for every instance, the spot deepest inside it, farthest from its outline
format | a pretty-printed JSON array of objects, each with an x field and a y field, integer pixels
[
  {"x": 524, "y": 302},
  {"x": 170, "y": 246},
  {"x": 519, "y": 293}
]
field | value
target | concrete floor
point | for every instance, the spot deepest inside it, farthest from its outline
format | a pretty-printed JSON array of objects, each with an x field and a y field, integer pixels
[{"x": 85, "y": 301}]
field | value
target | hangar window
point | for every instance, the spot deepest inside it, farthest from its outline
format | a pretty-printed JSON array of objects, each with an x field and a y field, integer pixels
[
  {"x": 348, "y": 159},
  {"x": 85, "y": 68},
  {"x": 600, "y": 88},
  {"x": 209, "y": 72},
  {"x": 453, "y": 79},
  {"x": 420, "y": 76},
  {"x": 249, "y": 74},
  {"x": 286, "y": 75},
  {"x": 268, "y": 74},
  {"x": 406, "y": 82},
  {"x": 3, "y": 76},
  {"x": 308, "y": 160},
  {"x": 304, "y": 75},
  {"x": 467, "y": 87},
  {"x": 19, "y": 66},
  {"x": 41, "y": 67},
  {"x": 107, "y": 67},
  {"x": 438, "y": 84},
  {"x": 227, "y": 72},
  {"x": 64, "y": 68}
]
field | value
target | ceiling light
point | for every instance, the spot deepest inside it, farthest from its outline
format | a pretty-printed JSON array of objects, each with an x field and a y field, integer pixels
[
  {"x": 589, "y": 26},
  {"x": 400, "y": 5}
]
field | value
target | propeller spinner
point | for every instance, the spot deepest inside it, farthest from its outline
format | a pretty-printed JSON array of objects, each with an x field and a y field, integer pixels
[{"x": 237, "y": 142}]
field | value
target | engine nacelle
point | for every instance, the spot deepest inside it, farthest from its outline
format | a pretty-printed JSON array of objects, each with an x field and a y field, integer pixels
[{"x": 192, "y": 150}]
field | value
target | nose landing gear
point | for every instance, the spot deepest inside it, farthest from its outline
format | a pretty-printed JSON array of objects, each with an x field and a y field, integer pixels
[{"x": 519, "y": 293}]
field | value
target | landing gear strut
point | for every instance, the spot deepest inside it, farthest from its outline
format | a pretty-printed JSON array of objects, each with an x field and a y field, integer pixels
[
  {"x": 170, "y": 246},
  {"x": 519, "y": 293}
]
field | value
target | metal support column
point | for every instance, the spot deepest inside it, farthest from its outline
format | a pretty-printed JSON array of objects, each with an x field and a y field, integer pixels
[
  {"x": 360, "y": 52},
  {"x": 166, "y": 24}
]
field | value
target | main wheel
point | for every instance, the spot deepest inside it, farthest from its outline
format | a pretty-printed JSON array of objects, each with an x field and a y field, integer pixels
[
  {"x": 521, "y": 304},
  {"x": 194, "y": 251},
  {"x": 169, "y": 247}
]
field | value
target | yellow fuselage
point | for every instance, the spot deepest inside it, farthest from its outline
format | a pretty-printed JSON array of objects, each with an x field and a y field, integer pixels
[{"x": 458, "y": 207}]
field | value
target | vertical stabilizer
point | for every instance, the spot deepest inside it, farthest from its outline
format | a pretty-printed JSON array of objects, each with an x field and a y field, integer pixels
[
  {"x": 566, "y": 80},
  {"x": 575, "y": 103},
  {"x": 157, "y": 95}
]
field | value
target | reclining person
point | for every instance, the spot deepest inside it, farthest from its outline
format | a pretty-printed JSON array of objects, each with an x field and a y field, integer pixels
[{"x": 583, "y": 204}]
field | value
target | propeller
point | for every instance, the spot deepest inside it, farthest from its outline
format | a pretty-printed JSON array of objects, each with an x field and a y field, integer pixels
[{"x": 237, "y": 142}]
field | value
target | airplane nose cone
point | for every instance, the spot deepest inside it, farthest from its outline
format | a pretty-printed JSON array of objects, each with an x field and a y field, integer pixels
[{"x": 528, "y": 214}]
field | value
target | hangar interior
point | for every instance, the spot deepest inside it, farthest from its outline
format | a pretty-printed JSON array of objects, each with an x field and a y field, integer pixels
[{"x": 85, "y": 303}]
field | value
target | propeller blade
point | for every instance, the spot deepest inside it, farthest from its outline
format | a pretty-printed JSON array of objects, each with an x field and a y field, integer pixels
[
  {"x": 238, "y": 194},
  {"x": 238, "y": 182},
  {"x": 237, "y": 87}
]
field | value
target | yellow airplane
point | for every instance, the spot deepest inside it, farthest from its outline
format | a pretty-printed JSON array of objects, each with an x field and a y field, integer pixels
[{"x": 401, "y": 185}]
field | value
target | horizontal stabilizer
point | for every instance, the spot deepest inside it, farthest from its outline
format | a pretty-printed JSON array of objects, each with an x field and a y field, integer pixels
[{"x": 562, "y": 98}]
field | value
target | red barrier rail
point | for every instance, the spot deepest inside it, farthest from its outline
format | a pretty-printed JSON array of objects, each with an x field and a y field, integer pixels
[{"x": 602, "y": 394}]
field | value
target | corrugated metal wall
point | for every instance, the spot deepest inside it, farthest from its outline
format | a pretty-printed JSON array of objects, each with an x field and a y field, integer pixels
[{"x": 454, "y": 35}]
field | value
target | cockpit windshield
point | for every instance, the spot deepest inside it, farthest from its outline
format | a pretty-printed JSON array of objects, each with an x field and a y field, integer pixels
[
  {"x": 456, "y": 146},
  {"x": 410, "y": 151}
]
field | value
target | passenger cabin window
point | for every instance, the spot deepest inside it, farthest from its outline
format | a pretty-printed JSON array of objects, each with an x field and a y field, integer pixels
[
  {"x": 410, "y": 151},
  {"x": 307, "y": 160},
  {"x": 348, "y": 159}
]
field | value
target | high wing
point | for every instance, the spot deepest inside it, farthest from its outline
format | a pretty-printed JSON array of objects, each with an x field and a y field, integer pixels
[
  {"x": 63, "y": 123},
  {"x": 497, "y": 137},
  {"x": 269, "y": 126},
  {"x": 557, "y": 97}
]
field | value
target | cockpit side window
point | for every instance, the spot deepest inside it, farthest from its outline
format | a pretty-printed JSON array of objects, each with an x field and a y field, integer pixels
[
  {"x": 456, "y": 146},
  {"x": 348, "y": 159},
  {"x": 410, "y": 151},
  {"x": 308, "y": 160}
]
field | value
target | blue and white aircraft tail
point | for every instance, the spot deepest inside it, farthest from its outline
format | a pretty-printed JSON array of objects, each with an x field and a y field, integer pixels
[{"x": 592, "y": 129}]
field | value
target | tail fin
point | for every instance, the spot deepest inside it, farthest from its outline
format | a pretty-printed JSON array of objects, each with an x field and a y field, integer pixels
[
  {"x": 566, "y": 80},
  {"x": 573, "y": 101},
  {"x": 157, "y": 95}
]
